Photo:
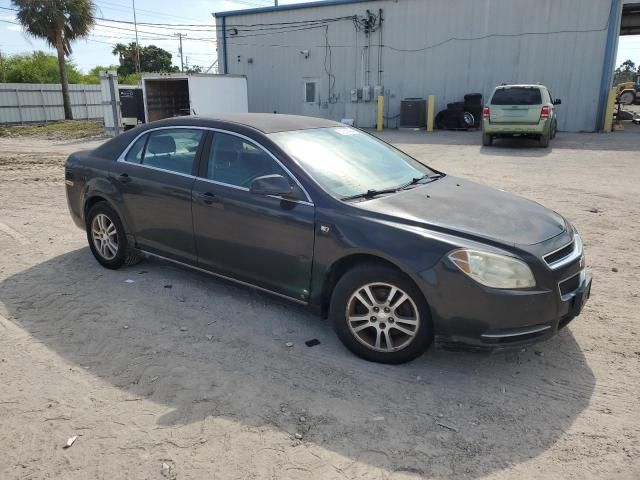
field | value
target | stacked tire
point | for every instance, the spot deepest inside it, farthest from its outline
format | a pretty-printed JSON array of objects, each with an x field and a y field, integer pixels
[
  {"x": 473, "y": 105},
  {"x": 461, "y": 115}
]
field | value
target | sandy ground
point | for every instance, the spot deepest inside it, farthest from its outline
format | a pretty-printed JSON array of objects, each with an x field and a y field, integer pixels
[{"x": 180, "y": 369}]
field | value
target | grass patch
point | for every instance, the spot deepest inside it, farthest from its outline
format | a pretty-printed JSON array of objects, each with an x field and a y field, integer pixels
[{"x": 56, "y": 130}]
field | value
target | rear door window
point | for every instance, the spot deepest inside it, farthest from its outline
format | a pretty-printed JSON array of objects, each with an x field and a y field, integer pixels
[
  {"x": 517, "y": 96},
  {"x": 134, "y": 155},
  {"x": 172, "y": 149}
]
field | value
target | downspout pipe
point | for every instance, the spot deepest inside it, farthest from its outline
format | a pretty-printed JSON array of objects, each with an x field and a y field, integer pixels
[
  {"x": 224, "y": 45},
  {"x": 609, "y": 60}
]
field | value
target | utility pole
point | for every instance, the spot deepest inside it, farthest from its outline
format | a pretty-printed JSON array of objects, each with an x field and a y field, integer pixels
[
  {"x": 4, "y": 78},
  {"x": 135, "y": 25},
  {"x": 275, "y": 3},
  {"x": 180, "y": 35}
]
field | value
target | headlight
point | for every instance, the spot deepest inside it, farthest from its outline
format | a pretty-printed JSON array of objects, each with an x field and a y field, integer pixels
[{"x": 492, "y": 270}]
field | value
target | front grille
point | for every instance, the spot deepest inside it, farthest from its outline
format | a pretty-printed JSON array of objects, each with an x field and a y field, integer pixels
[
  {"x": 570, "y": 285},
  {"x": 566, "y": 254},
  {"x": 559, "y": 254}
]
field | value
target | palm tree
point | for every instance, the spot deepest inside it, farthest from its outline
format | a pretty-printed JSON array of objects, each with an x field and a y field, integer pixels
[
  {"x": 59, "y": 22},
  {"x": 121, "y": 50}
]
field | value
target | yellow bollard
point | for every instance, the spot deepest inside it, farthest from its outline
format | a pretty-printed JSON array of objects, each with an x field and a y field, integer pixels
[
  {"x": 608, "y": 115},
  {"x": 380, "y": 113},
  {"x": 431, "y": 109}
]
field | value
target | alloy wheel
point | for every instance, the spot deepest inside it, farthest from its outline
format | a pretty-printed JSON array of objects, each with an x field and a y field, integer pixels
[
  {"x": 382, "y": 317},
  {"x": 105, "y": 236}
]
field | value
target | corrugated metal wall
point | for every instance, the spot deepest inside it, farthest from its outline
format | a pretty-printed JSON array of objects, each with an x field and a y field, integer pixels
[
  {"x": 42, "y": 102},
  {"x": 441, "y": 47}
]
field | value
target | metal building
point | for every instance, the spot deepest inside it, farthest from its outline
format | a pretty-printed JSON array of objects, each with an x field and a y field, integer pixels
[{"x": 332, "y": 58}]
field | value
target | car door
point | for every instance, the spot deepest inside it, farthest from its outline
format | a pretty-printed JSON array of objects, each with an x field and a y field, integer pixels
[
  {"x": 262, "y": 240},
  {"x": 155, "y": 177}
]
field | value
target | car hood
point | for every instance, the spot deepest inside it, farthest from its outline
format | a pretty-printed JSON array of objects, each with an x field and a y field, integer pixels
[{"x": 455, "y": 205}]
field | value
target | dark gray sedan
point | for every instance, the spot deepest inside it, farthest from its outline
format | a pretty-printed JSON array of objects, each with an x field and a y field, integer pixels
[{"x": 395, "y": 253}]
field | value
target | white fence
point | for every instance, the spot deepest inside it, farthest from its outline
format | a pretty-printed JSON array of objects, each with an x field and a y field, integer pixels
[{"x": 42, "y": 102}]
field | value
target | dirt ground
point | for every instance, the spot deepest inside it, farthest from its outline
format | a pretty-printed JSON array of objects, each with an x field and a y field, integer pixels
[{"x": 166, "y": 373}]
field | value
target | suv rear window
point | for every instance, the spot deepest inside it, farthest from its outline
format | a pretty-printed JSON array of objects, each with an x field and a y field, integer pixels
[{"x": 517, "y": 96}]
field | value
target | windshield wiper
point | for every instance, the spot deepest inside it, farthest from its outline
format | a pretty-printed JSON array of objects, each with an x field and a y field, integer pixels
[
  {"x": 373, "y": 193},
  {"x": 417, "y": 180}
]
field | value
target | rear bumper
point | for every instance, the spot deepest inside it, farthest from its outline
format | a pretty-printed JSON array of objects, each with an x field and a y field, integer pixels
[{"x": 540, "y": 128}]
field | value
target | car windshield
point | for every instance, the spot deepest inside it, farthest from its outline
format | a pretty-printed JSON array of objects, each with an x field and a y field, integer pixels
[
  {"x": 517, "y": 96},
  {"x": 347, "y": 162}
]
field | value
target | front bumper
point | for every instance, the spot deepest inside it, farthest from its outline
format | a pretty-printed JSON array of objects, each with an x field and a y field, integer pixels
[{"x": 470, "y": 316}]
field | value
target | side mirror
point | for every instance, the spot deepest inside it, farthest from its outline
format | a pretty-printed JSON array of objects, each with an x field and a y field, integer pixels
[
  {"x": 271, "y": 185},
  {"x": 557, "y": 101}
]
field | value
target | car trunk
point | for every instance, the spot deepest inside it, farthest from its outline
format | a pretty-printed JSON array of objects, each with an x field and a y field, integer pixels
[{"x": 516, "y": 105}]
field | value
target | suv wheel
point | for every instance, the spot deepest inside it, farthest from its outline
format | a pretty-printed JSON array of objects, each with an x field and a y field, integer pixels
[
  {"x": 543, "y": 141},
  {"x": 107, "y": 238},
  {"x": 380, "y": 315}
]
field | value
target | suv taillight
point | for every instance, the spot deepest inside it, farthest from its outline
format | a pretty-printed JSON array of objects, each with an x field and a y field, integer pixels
[
  {"x": 544, "y": 113},
  {"x": 485, "y": 112}
]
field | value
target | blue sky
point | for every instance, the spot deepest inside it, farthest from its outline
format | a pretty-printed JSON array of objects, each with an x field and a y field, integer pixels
[{"x": 97, "y": 50}]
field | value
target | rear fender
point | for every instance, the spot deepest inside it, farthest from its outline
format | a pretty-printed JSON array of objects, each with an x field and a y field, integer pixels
[{"x": 104, "y": 190}]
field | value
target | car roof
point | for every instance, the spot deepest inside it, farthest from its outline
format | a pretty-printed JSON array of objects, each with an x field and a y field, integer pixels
[
  {"x": 264, "y": 122},
  {"x": 521, "y": 85}
]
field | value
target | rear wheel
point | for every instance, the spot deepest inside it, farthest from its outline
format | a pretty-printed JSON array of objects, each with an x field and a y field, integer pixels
[
  {"x": 380, "y": 315},
  {"x": 107, "y": 238},
  {"x": 543, "y": 141},
  {"x": 487, "y": 140}
]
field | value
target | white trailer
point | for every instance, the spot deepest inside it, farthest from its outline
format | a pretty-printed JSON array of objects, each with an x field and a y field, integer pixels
[{"x": 178, "y": 94}]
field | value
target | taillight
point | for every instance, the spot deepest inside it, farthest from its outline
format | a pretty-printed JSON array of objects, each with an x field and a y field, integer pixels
[
  {"x": 544, "y": 113},
  {"x": 485, "y": 112}
]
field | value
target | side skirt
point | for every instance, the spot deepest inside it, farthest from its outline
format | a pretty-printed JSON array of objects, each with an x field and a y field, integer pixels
[{"x": 224, "y": 277}]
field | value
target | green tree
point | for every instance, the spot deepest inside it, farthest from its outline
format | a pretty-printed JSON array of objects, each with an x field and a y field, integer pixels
[
  {"x": 152, "y": 59},
  {"x": 37, "y": 67},
  {"x": 59, "y": 22},
  {"x": 93, "y": 76},
  {"x": 626, "y": 72},
  {"x": 194, "y": 69}
]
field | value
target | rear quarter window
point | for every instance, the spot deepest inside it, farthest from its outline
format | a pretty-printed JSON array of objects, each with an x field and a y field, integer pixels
[{"x": 517, "y": 96}]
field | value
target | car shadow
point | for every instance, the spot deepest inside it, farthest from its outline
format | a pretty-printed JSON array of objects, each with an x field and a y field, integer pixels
[{"x": 204, "y": 347}]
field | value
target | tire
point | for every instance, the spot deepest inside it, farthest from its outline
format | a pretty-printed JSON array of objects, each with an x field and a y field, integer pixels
[
  {"x": 473, "y": 99},
  {"x": 554, "y": 130},
  {"x": 543, "y": 141},
  {"x": 455, "y": 106},
  {"x": 113, "y": 251},
  {"x": 627, "y": 98},
  {"x": 469, "y": 119},
  {"x": 487, "y": 140},
  {"x": 360, "y": 335}
]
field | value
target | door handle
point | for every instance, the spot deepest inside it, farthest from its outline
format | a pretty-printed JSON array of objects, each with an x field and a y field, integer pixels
[
  {"x": 124, "y": 178},
  {"x": 208, "y": 198}
]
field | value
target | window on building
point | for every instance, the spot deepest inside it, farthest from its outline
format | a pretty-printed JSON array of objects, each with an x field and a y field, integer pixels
[{"x": 310, "y": 92}]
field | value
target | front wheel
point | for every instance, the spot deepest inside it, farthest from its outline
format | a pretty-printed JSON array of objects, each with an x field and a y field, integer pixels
[
  {"x": 380, "y": 315},
  {"x": 107, "y": 237}
]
